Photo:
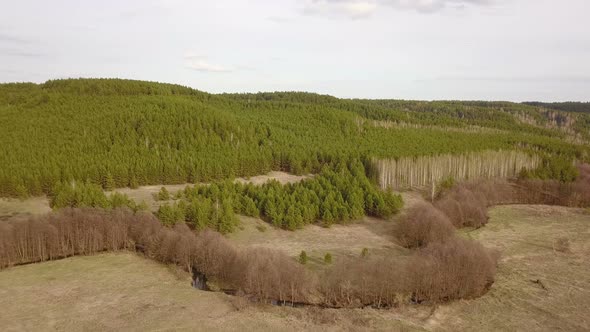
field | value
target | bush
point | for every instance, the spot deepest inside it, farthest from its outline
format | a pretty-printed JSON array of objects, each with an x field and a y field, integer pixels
[
  {"x": 364, "y": 252},
  {"x": 422, "y": 225},
  {"x": 303, "y": 257},
  {"x": 328, "y": 258},
  {"x": 464, "y": 207},
  {"x": 455, "y": 269}
]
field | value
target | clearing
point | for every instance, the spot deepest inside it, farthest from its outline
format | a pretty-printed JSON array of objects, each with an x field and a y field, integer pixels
[{"x": 11, "y": 208}]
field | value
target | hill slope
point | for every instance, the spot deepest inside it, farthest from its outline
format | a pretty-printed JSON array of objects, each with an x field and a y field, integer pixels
[{"x": 127, "y": 133}]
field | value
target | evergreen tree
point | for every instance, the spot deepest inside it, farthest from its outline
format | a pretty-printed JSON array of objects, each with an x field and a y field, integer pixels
[
  {"x": 303, "y": 257},
  {"x": 163, "y": 194}
]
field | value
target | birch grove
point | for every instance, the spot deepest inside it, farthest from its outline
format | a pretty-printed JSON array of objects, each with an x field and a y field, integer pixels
[{"x": 423, "y": 171}]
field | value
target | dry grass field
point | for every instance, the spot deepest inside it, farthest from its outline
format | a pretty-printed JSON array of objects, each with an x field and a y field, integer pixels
[
  {"x": 542, "y": 284},
  {"x": 11, "y": 208},
  {"x": 125, "y": 292},
  {"x": 339, "y": 240}
]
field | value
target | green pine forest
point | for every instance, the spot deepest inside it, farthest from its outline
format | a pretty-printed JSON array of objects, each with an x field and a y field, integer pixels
[{"x": 124, "y": 133}]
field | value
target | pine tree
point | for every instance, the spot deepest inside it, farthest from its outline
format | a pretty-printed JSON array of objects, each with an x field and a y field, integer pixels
[
  {"x": 163, "y": 194},
  {"x": 108, "y": 182}
]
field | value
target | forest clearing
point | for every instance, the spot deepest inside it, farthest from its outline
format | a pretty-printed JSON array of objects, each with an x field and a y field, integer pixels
[{"x": 125, "y": 291}]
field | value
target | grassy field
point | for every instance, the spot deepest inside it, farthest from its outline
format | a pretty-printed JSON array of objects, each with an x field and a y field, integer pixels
[
  {"x": 542, "y": 285},
  {"x": 11, "y": 208},
  {"x": 127, "y": 292},
  {"x": 377, "y": 235}
]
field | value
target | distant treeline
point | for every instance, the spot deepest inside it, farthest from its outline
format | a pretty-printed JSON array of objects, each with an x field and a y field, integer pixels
[
  {"x": 568, "y": 106},
  {"x": 123, "y": 133}
]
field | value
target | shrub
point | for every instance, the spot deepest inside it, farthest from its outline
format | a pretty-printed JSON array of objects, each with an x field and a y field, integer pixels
[
  {"x": 163, "y": 194},
  {"x": 455, "y": 269},
  {"x": 328, "y": 258},
  {"x": 464, "y": 207},
  {"x": 364, "y": 252},
  {"x": 303, "y": 257},
  {"x": 422, "y": 225}
]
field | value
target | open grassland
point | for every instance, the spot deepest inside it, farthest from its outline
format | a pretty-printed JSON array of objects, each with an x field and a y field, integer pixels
[
  {"x": 126, "y": 292},
  {"x": 542, "y": 284},
  {"x": 339, "y": 240},
  {"x": 374, "y": 234},
  {"x": 11, "y": 208}
]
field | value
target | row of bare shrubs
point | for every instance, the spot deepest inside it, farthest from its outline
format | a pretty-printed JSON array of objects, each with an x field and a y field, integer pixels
[
  {"x": 441, "y": 271},
  {"x": 260, "y": 273}
]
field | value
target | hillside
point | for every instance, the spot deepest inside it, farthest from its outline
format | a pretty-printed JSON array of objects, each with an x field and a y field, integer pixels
[{"x": 120, "y": 133}]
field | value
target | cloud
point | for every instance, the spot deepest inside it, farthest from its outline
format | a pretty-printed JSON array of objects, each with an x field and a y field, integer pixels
[
  {"x": 20, "y": 53},
  {"x": 278, "y": 19},
  {"x": 201, "y": 63},
  {"x": 364, "y": 8},
  {"x": 349, "y": 8},
  {"x": 579, "y": 78},
  {"x": 12, "y": 39}
]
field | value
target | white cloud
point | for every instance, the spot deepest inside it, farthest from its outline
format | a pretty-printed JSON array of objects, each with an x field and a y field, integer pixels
[
  {"x": 201, "y": 63},
  {"x": 349, "y": 8},
  {"x": 364, "y": 8}
]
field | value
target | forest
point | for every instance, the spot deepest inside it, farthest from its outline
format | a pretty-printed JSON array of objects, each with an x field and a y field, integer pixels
[
  {"x": 123, "y": 133},
  {"x": 568, "y": 106}
]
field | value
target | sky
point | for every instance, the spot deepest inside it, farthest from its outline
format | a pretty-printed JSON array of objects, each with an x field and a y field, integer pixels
[{"x": 517, "y": 50}]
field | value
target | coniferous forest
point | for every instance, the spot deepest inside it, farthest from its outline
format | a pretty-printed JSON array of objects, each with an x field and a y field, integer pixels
[{"x": 124, "y": 133}]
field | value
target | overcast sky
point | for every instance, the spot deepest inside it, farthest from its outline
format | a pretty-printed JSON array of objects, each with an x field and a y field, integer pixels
[{"x": 411, "y": 49}]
